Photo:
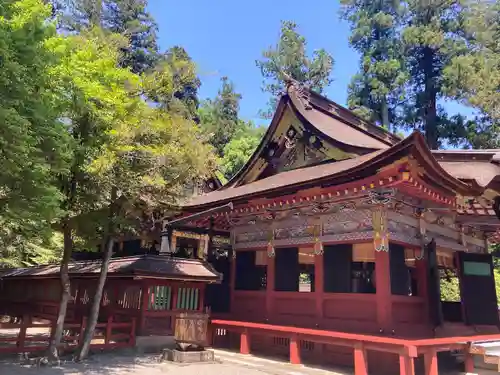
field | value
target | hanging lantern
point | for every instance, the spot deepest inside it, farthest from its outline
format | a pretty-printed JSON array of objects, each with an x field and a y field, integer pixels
[
  {"x": 270, "y": 246},
  {"x": 380, "y": 233},
  {"x": 318, "y": 244}
]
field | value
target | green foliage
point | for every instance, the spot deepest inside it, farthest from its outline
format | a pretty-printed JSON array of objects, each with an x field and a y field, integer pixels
[
  {"x": 173, "y": 84},
  {"x": 33, "y": 139},
  {"x": 131, "y": 19},
  {"x": 240, "y": 148},
  {"x": 289, "y": 59},
  {"x": 450, "y": 287},
  {"x": 219, "y": 117},
  {"x": 432, "y": 38},
  {"x": 473, "y": 78},
  {"x": 378, "y": 89}
]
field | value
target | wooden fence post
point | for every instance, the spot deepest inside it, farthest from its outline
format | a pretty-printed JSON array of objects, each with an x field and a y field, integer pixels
[
  {"x": 360, "y": 360},
  {"x": 294, "y": 350},
  {"x": 245, "y": 342},
  {"x": 133, "y": 332},
  {"x": 431, "y": 362},
  {"x": 109, "y": 329}
]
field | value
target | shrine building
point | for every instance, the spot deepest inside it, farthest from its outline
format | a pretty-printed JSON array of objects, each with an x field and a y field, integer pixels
[{"x": 333, "y": 238}]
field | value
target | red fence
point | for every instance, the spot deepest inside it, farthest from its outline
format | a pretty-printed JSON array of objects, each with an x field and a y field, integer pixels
[
  {"x": 107, "y": 335},
  {"x": 298, "y": 339}
]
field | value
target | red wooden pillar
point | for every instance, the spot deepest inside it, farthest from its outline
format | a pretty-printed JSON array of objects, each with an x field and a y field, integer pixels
[
  {"x": 468, "y": 360},
  {"x": 360, "y": 360},
  {"x": 318, "y": 287},
  {"x": 244, "y": 342},
  {"x": 431, "y": 362},
  {"x": 383, "y": 289},
  {"x": 144, "y": 307},
  {"x": 109, "y": 330},
  {"x": 406, "y": 365},
  {"x": 270, "y": 287},
  {"x": 294, "y": 350}
]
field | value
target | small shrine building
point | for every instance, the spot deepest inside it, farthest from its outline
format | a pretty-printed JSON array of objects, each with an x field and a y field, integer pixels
[{"x": 334, "y": 236}]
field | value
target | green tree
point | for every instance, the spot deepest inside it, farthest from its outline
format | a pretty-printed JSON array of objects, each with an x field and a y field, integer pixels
[
  {"x": 219, "y": 117},
  {"x": 378, "y": 89},
  {"x": 240, "y": 148},
  {"x": 131, "y": 19},
  {"x": 473, "y": 78},
  {"x": 88, "y": 83},
  {"x": 432, "y": 38},
  {"x": 289, "y": 59},
  {"x": 173, "y": 83},
  {"x": 145, "y": 158},
  {"x": 33, "y": 139}
]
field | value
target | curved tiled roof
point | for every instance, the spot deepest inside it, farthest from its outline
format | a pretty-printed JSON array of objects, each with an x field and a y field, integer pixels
[
  {"x": 337, "y": 172},
  {"x": 158, "y": 266}
]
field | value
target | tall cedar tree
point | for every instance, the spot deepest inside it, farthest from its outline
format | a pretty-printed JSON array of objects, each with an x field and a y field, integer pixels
[
  {"x": 34, "y": 142},
  {"x": 128, "y": 18},
  {"x": 289, "y": 59},
  {"x": 474, "y": 78},
  {"x": 432, "y": 38},
  {"x": 219, "y": 117},
  {"x": 173, "y": 83},
  {"x": 131, "y": 19},
  {"x": 376, "y": 91}
]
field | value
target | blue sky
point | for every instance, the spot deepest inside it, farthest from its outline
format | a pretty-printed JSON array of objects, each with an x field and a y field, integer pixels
[{"x": 225, "y": 38}]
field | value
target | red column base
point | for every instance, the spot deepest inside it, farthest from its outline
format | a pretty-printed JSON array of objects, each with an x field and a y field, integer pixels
[
  {"x": 245, "y": 343},
  {"x": 294, "y": 351}
]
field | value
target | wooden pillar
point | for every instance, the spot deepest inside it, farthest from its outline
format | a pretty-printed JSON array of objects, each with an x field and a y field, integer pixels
[
  {"x": 468, "y": 360},
  {"x": 318, "y": 287},
  {"x": 201, "y": 303},
  {"x": 423, "y": 285},
  {"x": 232, "y": 279},
  {"x": 271, "y": 261},
  {"x": 383, "y": 290},
  {"x": 109, "y": 330},
  {"x": 244, "y": 342},
  {"x": 144, "y": 307},
  {"x": 360, "y": 361},
  {"x": 431, "y": 362},
  {"x": 406, "y": 365},
  {"x": 294, "y": 350}
]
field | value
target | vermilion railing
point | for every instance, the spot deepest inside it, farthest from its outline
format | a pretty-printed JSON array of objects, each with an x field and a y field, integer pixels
[{"x": 407, "y": 350}]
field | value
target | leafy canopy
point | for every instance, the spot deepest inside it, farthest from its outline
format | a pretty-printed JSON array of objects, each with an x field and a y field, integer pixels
[
  {"x": 289, "y": 59},
  {"x": 33, "y": 139}
]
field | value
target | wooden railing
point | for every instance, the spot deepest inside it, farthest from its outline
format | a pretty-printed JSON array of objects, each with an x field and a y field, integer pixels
[
  {"x": 407, "y": 350},
  {"x": 105, "y": 336}
]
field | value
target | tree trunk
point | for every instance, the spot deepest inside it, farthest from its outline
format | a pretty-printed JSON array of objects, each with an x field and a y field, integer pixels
[
  {"x": 96, "y": 303},
  {"x": 384, "y": 108},
  {"x": 56, "y": 336},
  {"x": 83, "y": 350},
  {"x": 430, "y": 105}
]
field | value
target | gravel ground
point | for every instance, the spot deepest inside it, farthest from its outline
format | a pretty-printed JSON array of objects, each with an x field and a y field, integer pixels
[{"x": 126, "y": 365}]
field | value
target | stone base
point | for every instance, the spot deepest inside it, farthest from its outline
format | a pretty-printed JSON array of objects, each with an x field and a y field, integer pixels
[{"x": 178, "y": 356}]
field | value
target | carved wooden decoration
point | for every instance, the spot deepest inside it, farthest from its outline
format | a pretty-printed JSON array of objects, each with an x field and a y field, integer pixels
[{"x": 380, "y": 232}]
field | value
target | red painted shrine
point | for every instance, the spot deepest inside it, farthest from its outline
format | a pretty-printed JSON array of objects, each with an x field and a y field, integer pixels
[
  {"x": 331, "y": 242},
  {"x": 339, "y": 235}
]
